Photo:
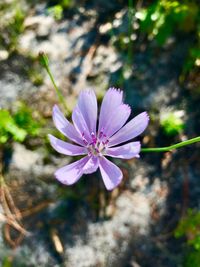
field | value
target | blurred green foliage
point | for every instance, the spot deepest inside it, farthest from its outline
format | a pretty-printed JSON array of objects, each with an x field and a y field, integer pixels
[
  {"x": 192, "y": 259},
  {"x": 18, "y": 125},
  {"x": 160, "y": 21},
  {"x": 24, "y": 119},
  {"x": 9, "y": 128},
  {"x": 10, "y": 261},
  {"x": 12, "y": 16},
  {"x": 172, "y": 124},
  {"x": 62, "y": 3},
  {"x": 162, "y": 18},
  {"x": 57, "y": 7},
  {"x": 7, "y": 262},
  {"x": 193, "y": 60},
  {"x": 35, "y": 75},
  {"x": 56, "y": 11},
  {"x": 189, "y": 227}
]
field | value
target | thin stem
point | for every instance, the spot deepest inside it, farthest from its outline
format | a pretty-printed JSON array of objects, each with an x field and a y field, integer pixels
[
  {"x": 130, "y": 30},
  {"x": 45, "y": 63},
  {"x": 172, "y": 147}
]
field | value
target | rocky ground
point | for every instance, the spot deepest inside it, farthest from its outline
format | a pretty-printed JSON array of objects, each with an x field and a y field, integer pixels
[{"x": 133, "y": 226}]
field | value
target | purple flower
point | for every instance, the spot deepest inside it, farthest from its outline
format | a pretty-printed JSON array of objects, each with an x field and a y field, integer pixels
[{"x": 96, "y": 144}]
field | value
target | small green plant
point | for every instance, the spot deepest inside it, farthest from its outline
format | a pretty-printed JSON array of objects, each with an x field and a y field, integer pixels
[
  {"x": 193, "y": 60},
  {"x": 192, "y": 259},
  {"x": 25, "y": 120},
  {"x": 9, "y": 128},
  {"x": 11, "y": 26},
  {"x": 189, "y": 227},
  {"x": 162, "y": 18},
  {"x": 172, "y": 123},
  {"x": 64, "y": 4},
  {"x": 7, "y": 262},
  {"x": 18, "y": 125},
  {"x": 57, "y": 7},
  {"x": 56, "y": 11}
]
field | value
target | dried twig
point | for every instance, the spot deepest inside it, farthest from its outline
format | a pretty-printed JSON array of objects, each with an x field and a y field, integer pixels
[{"x": 11, "y": 216}]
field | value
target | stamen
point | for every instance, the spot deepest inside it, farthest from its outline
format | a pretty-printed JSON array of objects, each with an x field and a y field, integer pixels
[
  {"x": 105, "y": 143},
  {"x": 97, "y": 150},
  {"x": 94, "y": 139},
  {"x": 84, "y": 140},
  {"x": 97, "y": 146},
  {"x": 101, "y": 133}
]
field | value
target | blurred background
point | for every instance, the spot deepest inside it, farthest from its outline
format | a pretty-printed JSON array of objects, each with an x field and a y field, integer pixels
[{"x": 151, "y": 50}]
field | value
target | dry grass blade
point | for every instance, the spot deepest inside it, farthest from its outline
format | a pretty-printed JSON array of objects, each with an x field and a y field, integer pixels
[{"x": 11, "y": 217}]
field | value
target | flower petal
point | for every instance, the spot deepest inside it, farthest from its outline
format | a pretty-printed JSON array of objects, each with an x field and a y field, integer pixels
[
  {"x": 91, "y": 166},
  {"x": 80, "y": 124},
  {"x": 111, "y": 100},
  {"x": 111, "y": 174},
  {"x": 116, "y": 120},
  {"x": 132, "y": 129},
  {"x": 65, "y": 127},
  {"x": 87, "y": 104},
  {"x": 66, "y": 148},
  {"x": 71, "y": 173},
  {"x": 127, "y": 151}
]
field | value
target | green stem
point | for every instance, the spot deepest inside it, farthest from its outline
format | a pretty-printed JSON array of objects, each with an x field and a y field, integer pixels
[
  {"x": 130, "y": 30},
  {"x": 45, "y": 63},
  {"x": 172, "y": 147}
]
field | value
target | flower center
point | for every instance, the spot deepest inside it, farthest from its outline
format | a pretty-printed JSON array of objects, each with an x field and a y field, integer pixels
[{"x": 98, "y": 144}]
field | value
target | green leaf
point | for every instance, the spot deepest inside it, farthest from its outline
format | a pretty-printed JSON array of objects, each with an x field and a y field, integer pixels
[{"x": 8, "y": 127}]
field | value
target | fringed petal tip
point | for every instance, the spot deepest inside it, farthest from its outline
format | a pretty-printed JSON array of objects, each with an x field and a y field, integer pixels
[
  {"x": 130, "y": 130},
  {"x": 127, "y": 107},
  {"x": 87, "y": 91},
  {"x": 146, "y": 115},
  {"x": 113, "y": 90}
]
